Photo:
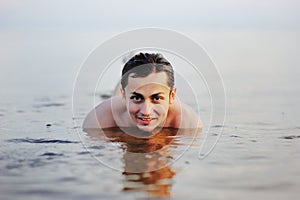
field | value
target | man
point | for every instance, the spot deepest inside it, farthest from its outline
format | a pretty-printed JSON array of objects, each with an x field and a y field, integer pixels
[{"x": 147, "y": 101}]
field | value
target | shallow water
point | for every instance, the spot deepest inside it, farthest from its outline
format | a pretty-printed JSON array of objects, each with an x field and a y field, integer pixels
[
  {"x": 45, "y": 159},
  {"x": 45, "y": 155}
]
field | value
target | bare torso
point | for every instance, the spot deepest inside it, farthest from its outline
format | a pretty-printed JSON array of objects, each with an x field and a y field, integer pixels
[{"x": 113, "y": 113}]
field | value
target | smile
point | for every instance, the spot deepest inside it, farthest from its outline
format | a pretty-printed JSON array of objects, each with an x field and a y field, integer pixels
[{"x": 145, "y": 120}]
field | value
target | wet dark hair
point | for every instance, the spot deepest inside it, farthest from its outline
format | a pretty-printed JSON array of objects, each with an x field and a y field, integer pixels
[{"x": 143, "y": 64}]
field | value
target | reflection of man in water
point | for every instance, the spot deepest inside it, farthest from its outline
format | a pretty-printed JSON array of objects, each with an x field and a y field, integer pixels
[
  {"x": 146, "y": 161},
  {"x": 147, "y": 164},
  {"x": 147, "y": 99}
]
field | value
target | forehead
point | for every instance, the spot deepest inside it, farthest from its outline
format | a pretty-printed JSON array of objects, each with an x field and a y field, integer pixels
[{"x": 154, "y": 82}]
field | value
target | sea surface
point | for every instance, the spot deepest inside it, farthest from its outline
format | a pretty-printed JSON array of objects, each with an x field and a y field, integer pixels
[{"x": 46, "y": 155}]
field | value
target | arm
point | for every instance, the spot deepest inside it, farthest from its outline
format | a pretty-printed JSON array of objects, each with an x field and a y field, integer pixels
[
  {"x": 100, "y": 117},
  {"x": 190, "y": 122},
  {"x": 189, "y": 118},
  {"x": 184, "y": 117}
]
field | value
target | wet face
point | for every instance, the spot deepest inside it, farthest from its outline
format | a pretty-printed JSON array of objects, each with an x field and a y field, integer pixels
[{"x": 148, "y": 100}]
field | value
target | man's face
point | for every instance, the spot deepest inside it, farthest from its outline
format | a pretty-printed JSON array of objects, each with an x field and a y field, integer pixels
[{"x": 147, "y": 100}]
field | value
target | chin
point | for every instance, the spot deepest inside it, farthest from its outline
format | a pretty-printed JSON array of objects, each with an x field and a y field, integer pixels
[{"x": 146, "y": 128}]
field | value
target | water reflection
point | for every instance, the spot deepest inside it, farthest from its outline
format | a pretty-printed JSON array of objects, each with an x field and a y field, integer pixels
[{"x": 147, "y": 158}]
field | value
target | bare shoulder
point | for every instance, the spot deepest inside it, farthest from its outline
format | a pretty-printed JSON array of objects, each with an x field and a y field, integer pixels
[
  {"x": 189, "y": 118},
  {"x": 102, "y": 114}
]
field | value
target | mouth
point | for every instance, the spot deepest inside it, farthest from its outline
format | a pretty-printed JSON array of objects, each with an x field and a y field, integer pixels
[{"x": 145, "y": 120}]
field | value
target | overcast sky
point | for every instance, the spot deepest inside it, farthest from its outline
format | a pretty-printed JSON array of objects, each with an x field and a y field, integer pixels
[{"x": 97, "y": 15}]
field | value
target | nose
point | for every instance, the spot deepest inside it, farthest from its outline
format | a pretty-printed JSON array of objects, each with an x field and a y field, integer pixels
[{"x": 146, "y": 108}]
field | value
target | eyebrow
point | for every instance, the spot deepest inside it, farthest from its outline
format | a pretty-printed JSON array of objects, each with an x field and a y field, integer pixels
[
  {"x": 158, "y": 93},
  {"x": 136, "y": 93}
]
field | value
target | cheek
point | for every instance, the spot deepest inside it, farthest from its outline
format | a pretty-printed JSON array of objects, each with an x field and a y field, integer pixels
[
  {"x": 162, "y": 109},
  {"x": 132, "y": 108}
]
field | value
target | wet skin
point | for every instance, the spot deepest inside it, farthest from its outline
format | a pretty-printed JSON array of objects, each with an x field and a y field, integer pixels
[
  {"x": 147, "y": 100},
  {"x": 146, "y": 103}
]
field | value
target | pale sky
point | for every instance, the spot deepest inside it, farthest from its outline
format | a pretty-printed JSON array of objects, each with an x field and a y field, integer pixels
[{"x": 97, "y": 15}]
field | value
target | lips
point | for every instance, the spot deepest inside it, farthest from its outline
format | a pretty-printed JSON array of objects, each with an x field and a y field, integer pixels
[{"x": 145, "y": 120}]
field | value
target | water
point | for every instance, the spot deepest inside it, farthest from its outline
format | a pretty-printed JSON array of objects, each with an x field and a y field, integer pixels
[{"x": 44, "y": 155}]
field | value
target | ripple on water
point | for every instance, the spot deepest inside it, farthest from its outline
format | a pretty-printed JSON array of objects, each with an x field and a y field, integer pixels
[
  {"x": 32, "y": 163},
  {"x": 68, "y": 179},
  {"x": 235, "y": 136},
  {"x": 40, "y": 192},
  {"x": 51, "y": 154},
  {"x": 97, "y": 147},
  {"x": 290, "y": 137},
  {"x": 83, "y": 153},
  {"x": 217, "y": 126},
  {"x": 41, "y": 141},
  {"x": 45, "y": 105}
]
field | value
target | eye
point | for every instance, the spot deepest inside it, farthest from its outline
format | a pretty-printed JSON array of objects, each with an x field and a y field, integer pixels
[
  {"x": 136, "y": 99},
  {"x": 157, "y": 98}
]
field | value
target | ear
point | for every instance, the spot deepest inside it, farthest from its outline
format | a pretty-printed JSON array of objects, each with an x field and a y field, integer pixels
[
  {"x": 123, "y": 95},
  {"x": 172, "y": 95}
]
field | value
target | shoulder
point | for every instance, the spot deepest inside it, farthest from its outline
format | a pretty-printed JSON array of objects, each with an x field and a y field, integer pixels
[
  {"x": 190, "y": 118},
  {"x": 102, "y": 115},
  {"x": 186, "y": 117}
]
